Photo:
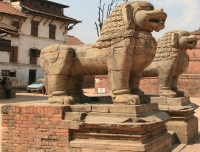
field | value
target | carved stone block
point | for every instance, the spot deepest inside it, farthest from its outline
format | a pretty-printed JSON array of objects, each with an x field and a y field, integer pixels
[{"x": 183, "y": 122}]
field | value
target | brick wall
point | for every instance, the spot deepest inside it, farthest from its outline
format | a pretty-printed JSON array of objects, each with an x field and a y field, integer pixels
[{"x": 34, "y": 129}]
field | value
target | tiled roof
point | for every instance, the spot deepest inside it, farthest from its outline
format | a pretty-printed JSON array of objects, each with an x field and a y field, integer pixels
[
  {"x": 8, "y": 9},
  {"x": 5, "y": 28},
  {"x": 71, "y": 40},
  {"x": 29, "y": 10}
]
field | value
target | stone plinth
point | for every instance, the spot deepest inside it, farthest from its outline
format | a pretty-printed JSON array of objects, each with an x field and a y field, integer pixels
[
  {"x": 39, "y": 126},
  {"x": 114, "y": 128},
  {"x": 183, "y": 122}
]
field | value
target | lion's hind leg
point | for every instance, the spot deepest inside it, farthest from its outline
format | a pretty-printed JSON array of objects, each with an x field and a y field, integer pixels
[
  {"x": 174, "y": 87},
  {"x": 74, "y": 87},
  {"x": 165, "y": 79}
]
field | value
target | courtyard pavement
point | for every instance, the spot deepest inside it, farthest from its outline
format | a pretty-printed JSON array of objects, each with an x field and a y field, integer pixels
[{"x": 22, "y": 96}]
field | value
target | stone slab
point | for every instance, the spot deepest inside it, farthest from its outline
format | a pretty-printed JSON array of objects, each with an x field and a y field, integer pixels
[
  {"x": 185, "y": 130},
  {"x": 161, "y": 142}
]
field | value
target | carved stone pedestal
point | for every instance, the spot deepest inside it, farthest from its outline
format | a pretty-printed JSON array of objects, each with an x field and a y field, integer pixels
[
  {"x": 183, "y": 122},
  {"x": 111, "y": 128}
]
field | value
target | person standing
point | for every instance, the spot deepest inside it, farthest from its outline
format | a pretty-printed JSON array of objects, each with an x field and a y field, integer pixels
[{"x": 8, "y": 87}]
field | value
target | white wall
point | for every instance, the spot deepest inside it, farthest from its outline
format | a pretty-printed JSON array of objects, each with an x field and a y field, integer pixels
[{"x": 25, "y": 41}]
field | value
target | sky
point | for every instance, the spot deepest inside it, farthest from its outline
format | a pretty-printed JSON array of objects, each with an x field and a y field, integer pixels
[{"x": 182, "y": 15}]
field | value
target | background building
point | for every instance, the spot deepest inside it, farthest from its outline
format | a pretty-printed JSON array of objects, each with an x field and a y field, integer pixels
[{"x": 40, "y": 23}]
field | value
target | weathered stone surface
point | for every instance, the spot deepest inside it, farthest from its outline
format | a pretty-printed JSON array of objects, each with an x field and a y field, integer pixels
[
  {"x": 183, "y": 122},
  {"x": 123, "y": 50},
  {"x": 170, "y": 61},
  {"x": 184, "y": 130},
  {"x": 119, "y": 128},
  {"x": 75, "y": 116}
]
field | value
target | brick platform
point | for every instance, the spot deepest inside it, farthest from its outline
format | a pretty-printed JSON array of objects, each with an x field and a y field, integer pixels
[
  {"x": 31, "y": 128},
  {"x": 42, "y": 127}
]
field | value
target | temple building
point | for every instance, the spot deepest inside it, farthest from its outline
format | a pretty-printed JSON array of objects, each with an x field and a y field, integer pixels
[{"x": 33, "y": 25}]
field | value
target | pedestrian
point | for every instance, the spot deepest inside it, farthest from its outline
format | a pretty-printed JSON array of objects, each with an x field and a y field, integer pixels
[
  {"x": 44, "y": 90},
  {"x": 8, "y": 87},
  {"x": 3, "y": 81}
]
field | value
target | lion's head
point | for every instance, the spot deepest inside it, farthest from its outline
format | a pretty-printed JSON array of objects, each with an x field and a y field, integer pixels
[
  {"x": 172, "y": 42},
  {"x": 128, "y": 18}
]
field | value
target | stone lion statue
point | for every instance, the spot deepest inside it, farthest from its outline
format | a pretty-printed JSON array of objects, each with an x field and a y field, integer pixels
[
  {"x": 170, "y": 61},
  {"x": 123, "y": 50}
]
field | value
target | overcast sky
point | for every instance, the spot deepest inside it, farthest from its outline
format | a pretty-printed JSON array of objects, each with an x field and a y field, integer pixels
[{"x": 182, "y": 15}]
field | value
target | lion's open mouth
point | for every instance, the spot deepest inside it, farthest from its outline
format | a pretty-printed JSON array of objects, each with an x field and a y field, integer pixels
[
  {"x": 192, "y": 42},
  {"x": 157, "y": 21}
]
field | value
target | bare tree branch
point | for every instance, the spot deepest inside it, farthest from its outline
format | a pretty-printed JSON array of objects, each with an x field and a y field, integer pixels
[{"x": 101, "y": 12}]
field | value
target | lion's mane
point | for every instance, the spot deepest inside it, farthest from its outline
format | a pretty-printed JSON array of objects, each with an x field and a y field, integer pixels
[
  {"x": 165, "y": 50},
  {"x": 114, "y": 28}
]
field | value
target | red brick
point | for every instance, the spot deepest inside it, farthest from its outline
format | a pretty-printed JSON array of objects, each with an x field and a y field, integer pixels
[
  {"x": 25, "y": 125},
  {"x": 44, "y": 119},
  {"x": 5, "y": 121},
  {"x": 65, "y": 123},
  {"x": 16, "y": 117},
  {"x": 15, "y": 125},
  {"x": 51, "y": 126},
  {"x": 43, "y": 110},
  {"x": 51, "y": 110},
  {"x": 23, "y": 131},
  {"x": 49, "y": 133},
  {"x": 49, "y": 115},
  {"x": 6, "y": 117},
  {"x": 47, "y": 122},
  {"x": 15, "y": 109},
  {"x": 62, "y": 134},
  {"x": 64, "y": 130},
  {"x": 23, "y": 118},
  {"x": 16, "y": 138},
  {"x": 20, "y": 128},
  {"x": 5, "y": 125},
  {"x": 57, "y": 116},
  {"x": 39, "y": 116},
  {"x": 44, "y": 126},
  {"x": 20, "y": 142},
  {"x": 30, "y": 109},
  {"x": 35, "y": 110},
  {"x": 19, "y": 122},
  {"x": 63, "y": 145},
  {"x": 53, "y": 144},
  {"x": 16, "y": 145},
  {"x": 28, "y": 115},
  {"x": 57, "y": 110},
  {"x": 55, "y": 119}
]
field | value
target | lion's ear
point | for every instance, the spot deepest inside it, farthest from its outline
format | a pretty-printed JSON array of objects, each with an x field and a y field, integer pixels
[
  {"x": 127, "y": 12},
  {"x": 174, "y": 40}
]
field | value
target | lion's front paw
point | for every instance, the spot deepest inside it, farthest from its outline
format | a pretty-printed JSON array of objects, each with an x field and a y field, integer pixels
[
  {"x": 80, "y": 98},
  {"x": 178, "y": 92},
  {"x": 143, "y": 98},
  {"x": 167, "y": 93},
  {"x": 66, "y": 100},
  {"x": 126, "y": 99}
]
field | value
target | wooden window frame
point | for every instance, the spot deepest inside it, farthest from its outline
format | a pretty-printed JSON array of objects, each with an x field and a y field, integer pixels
[
  {"x": 17, "y": 25},
  {"x": 52, "y": 31},
  {"x": 5, "y": 73},
  {"x": 34, "y": 28},
  {"x": 14, "y": 54},
  {"x": 34, "y": 54}
]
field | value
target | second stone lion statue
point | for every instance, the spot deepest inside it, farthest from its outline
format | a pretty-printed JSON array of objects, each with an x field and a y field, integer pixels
[
  {"x": 170, "y": 61},
  {"x": 123, "y": 50}
]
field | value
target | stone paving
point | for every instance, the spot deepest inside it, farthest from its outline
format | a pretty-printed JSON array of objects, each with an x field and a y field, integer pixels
[{"x": 23, "y": 96}]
